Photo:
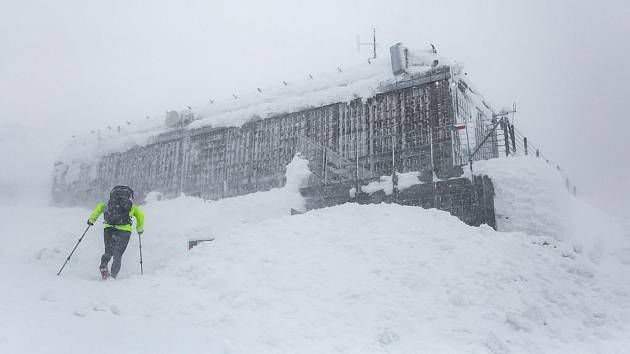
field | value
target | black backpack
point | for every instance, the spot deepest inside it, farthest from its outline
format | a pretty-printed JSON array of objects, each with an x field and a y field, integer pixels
[{"x": 118, "y": 206}]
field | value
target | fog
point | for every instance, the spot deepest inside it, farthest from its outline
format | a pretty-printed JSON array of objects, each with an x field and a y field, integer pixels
[{"x": 70, "y": 67}]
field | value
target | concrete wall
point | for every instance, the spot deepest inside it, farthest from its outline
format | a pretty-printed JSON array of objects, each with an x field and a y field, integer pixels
[{"x": 471, "y": 202}]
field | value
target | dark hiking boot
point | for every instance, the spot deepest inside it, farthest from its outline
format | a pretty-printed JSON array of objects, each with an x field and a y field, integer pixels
[{"x": 104, "y": 271}]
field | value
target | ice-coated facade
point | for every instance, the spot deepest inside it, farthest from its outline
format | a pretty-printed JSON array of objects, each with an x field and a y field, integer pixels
[{"x": 352, "y": 124}]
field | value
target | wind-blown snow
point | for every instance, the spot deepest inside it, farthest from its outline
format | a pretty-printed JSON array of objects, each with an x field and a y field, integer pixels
[{"x": 350, "y": 279}]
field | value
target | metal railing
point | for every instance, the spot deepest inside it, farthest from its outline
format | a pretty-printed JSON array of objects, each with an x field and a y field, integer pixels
[
  {"x": 329, "y": 166},
  {"x": 507, "y": 140},
  {"x": 481, "y": 139}
]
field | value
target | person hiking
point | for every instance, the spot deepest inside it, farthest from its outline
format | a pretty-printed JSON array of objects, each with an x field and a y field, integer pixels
[{"x": 118, "y": 226}]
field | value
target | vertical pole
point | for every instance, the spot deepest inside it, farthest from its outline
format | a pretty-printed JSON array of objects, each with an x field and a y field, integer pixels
[
  {"x": 470, "y": 157},
  {"x": 394, "y": 175},
  {"x": 374, "y": 41},
  {"x": 356, "y": 156},
  {"x": 513, "y": 138},
  {"x": 465, "y": 124},
  {"x": 140, "y": 244},
  {"x": 506, "y": 139},
  {"x": 393, "y": 156},
  {"x": 181, "y": 151},
  {"x": 394, "y": 131},
  {"x": 431, "y": 149},
  {"x": 433, "y": 181},
  {"x": 525, "y": 144},
  {"x": 225, "y": 164},
  {"x": 325, "y": 164}
]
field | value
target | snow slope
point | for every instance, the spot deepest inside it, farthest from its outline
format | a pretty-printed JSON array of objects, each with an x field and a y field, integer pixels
[
  {"x": 531, "y": 197},
  {"x": 347, "y": 279}
]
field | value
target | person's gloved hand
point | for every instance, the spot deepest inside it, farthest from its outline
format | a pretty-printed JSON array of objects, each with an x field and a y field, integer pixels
[
  {"x": 140, "y": 232},
  {"x": 90, "y": 222}
]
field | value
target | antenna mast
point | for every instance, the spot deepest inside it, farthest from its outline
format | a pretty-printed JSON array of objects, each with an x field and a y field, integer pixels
[{"x": 373, "y": 44}]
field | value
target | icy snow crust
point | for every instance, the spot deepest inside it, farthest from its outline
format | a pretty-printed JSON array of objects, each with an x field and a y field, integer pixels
[{"x": 349, "y": 279}]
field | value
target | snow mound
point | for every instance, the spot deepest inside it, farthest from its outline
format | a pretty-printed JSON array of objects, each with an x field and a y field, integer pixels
[{"x": 531, "y": 197}]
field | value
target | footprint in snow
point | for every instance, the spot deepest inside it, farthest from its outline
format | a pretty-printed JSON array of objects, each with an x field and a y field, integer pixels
[
  {"x": 595, "y": 320},
  {"x": 387, "y": 337},
  {"x": 583, "y": 272},
  {"x": 115, "y": 310},
  {"x": 48, "y": 295},
  {"x": 99, "y": 307},
  {"x": 45, "y": 253}
]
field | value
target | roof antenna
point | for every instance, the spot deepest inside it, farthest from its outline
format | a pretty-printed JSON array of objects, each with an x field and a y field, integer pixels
[{"x": 373, "y": 43}]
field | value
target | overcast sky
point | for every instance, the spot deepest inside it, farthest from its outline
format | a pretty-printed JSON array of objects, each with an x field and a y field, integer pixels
[{"x": 67, "y": 67}]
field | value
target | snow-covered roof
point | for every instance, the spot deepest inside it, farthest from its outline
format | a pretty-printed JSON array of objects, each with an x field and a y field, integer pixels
[{"x": 341, "y": 85}]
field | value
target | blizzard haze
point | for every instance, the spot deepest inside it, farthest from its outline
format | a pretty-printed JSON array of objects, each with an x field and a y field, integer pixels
[{"x": 68, "y": 68}]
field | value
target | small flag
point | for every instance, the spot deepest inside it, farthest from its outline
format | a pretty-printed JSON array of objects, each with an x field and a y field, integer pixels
[{"x": 457, "y": 126}]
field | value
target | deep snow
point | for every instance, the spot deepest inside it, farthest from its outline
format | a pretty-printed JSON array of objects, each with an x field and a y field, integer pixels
[{"x": 348, "y": 279}]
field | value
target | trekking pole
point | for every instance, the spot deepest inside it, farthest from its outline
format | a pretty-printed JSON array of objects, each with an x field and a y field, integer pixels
[
  {"x": 75, "y": 247},
  {"x": 140, "y": 243}
]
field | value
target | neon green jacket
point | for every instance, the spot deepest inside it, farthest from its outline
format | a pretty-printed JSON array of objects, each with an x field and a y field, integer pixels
[{"x": 134, "y": 212}]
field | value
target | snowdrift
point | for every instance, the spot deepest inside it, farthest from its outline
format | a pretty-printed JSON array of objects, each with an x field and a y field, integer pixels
[
  {"x": 531, "y": 197},
  {"x": 348, "y": 279}
]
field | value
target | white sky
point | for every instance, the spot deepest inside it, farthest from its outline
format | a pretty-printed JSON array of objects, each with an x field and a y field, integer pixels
[{"x": 68, "y": 67}]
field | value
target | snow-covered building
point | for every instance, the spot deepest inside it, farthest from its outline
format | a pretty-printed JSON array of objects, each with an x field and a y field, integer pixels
[{"x": 413, "y": 111}]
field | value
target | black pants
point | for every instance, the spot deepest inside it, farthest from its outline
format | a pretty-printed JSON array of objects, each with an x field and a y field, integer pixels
[{"x": 115, "y": 244}]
